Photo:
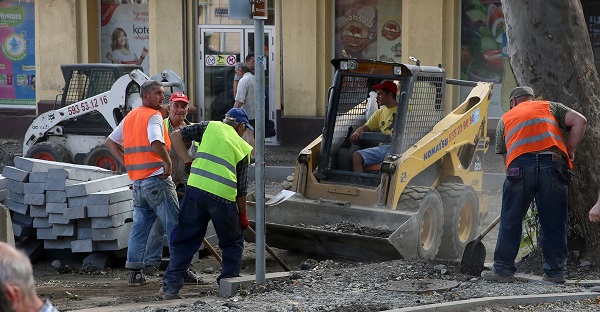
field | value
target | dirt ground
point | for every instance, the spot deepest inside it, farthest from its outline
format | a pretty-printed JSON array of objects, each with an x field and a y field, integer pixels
[{"x": 84, "y": 288}]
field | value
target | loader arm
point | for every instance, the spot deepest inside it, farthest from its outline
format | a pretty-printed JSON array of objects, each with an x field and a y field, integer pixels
[
  {"x": 104, "y": 103},
  {"x": 466, "y": 125}
]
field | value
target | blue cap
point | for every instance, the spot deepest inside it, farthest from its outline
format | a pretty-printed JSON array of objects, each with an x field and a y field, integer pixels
[{"x": 239, "y": 115}]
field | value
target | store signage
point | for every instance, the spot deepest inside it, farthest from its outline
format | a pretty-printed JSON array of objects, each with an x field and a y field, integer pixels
[
  {"x": 221, "y": 12},
  {"x": 260, "y": 9}
]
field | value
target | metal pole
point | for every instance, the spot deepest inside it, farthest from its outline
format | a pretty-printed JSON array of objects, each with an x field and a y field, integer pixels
[{"x": 259, "y": 134}]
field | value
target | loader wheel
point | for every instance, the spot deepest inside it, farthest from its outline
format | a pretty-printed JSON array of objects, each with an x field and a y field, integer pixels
[
  {"x": 100, "y": 156},
  {"x": 428, "y": 205},
  {"x": 461, "y": 217},
  {"x": 49, "y": 151}
]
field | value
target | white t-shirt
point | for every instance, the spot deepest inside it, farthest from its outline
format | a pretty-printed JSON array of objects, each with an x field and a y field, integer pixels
[
  {"x": 246, "y": 93},
  {"x": 124, "y": 59},
  {"x": 155, "y": 133}
]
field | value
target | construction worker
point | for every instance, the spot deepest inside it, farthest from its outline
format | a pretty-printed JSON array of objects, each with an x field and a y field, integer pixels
[
  {"x": 178, "y": 109},
  {"x": 537, "y": 163},
  {"x": 17, "y": 285},
  {"x": 382, "y": 120},
  {"x": 141, "y": 142},
  {"x": 216, "y": 191}
]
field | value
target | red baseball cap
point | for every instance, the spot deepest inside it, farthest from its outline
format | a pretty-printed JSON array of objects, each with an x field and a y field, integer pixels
[
  {"x": 387, "y": 85},
  {"x": 179, "y": 97}
]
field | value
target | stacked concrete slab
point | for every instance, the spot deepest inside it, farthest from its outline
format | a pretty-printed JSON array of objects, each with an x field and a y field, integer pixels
[{"x": 69, "y": 206}]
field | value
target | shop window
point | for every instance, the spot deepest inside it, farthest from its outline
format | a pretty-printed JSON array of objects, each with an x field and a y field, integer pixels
[
  {"x": 215, "y": 12},
  {"x": 369, "y": 29}
]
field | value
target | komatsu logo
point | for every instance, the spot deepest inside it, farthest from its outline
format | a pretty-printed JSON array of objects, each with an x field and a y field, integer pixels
[{"x": 443, "y": 143}]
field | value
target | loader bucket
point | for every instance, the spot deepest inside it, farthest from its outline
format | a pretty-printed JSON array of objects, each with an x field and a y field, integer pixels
[{"x": 304, "y": 225}]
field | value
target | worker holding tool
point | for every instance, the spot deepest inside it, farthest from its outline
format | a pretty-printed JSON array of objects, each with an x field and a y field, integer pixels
[
  {"x": 178, "y": 109},
  {"x": 216, "y": 191},
  {"x": 537, "y": 160}
]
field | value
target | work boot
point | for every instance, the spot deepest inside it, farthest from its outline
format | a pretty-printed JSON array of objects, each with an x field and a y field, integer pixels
[
  {"x": 558, "y": 279},
  {"x": 137, "y": 278},
  {"x": 492, "y": 276},
  {"x": 166, "y": 296},
  {"x": 191, "y": 278},
  {"x": 152, "y": 270}
]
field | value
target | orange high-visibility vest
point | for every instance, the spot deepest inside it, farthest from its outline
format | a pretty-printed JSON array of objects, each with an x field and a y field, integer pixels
[
  {"x": 140, "y": 160},
  {"x": 530, "y": 127}
]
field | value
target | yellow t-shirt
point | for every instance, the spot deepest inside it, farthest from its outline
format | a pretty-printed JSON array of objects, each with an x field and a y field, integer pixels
[{"x": 383, "y": 119}]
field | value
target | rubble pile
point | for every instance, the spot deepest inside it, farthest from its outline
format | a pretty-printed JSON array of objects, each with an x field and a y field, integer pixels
[{"x": 68, "y": 206}]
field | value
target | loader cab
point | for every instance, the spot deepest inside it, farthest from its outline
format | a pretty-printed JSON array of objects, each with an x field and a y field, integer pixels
[
  {"x": 83, "y": 81},
  {"x": 420, "y": 99}
]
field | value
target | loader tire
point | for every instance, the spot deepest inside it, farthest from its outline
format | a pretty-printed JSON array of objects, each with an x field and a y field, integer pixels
[
  {"x": 427, "y": 203},
  {"x": 100, "y": 156},
  {"x": 461, "y": 218},
  {"x": 49, "y": 151}
]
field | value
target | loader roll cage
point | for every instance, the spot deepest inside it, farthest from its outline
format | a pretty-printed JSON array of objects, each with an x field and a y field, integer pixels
[{"x": 420, "y": 97}]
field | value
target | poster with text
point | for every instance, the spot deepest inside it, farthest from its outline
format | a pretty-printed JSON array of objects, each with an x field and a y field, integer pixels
[
  {"x": 17, "y": 60},
  {"x": 124, "y": 34}
]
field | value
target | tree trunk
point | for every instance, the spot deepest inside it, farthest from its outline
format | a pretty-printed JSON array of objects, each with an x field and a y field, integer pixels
[{"x": 550, "y": 50}]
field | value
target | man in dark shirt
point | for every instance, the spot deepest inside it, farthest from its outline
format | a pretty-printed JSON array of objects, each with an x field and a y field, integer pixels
[{"x": 216, "y": 191}]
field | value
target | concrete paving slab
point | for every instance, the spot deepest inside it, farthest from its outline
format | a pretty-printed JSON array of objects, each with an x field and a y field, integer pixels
[
  {"x": 38, "y": 211},
  {"x": 110, "y": 196},
  {"x": 99, "y": 185},
  {"x": 111, "y": 233},
  {"x": 58, "y": 218},
  {"x": 6, "y": 231},
  {"x": 23, "y": 230},
  {"x": 111, "y": 221},
  {"x": 113, "y": 245},
  {"x": 63, "y": 229},
  {"x": 46, "y": 233},
  {"x": 38, "y": 165},
  {"x": 14, "y": 186},
  {"x": 23, "y": 219},
  {"x": 16, "y": 207},
  {"x": 2, "y": 182},
  {"x": 58, "y": 173},
  {"x": 56, "y": 207},
  {"x": 35, "y": 199},
  {"x": 19, "y": 198},
  {"x": 13, "y": 173},
  {"x": 41, "y": 223},
  {"x": 78, "y": 201},
  {"x": 109, "y": 210},
  {"x": 84, "y": 223},
  {"x": 4, "y": 194},
  {"x": 56, "y": 196},
  {"x": 37, "y": 177},
  {"x": 59, "y": 243},
  {"x": 83, "y": 245},
  {"x": 59, "y": 184},
  {"x": 229, "y": 286},
  {"x": 34, "y": 188},
  {"x": 84, "y": 233},
  {"x": 81, "y": 173},
  {"x": 75, "y": 212}
]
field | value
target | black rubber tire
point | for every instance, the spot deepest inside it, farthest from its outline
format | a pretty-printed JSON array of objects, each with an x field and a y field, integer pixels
[
  {"x": 49, "y": 151},
  {"x": 427, "y": 203},
  {"x": 461, "y": 218},
  {"x": 100, "y": 156}
]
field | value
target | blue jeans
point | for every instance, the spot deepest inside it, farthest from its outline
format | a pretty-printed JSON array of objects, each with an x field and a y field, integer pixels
[
  {"x": 547, "y": 180},
  {"x": 154, "y": 247},
  {"x": 153, "y": 198},
  {"x": 197, "y": 208},
  {"x": 374, "y": 155}
]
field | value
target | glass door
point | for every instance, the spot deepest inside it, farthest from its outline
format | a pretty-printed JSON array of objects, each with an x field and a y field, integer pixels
[{"x": 220, "y": 48}]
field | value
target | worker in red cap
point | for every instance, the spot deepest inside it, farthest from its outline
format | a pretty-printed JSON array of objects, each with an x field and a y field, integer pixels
[{"x": 382, "y": 120}]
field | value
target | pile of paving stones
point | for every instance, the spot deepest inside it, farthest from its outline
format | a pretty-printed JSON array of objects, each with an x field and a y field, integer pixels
[{"x": 68, "y": 206}]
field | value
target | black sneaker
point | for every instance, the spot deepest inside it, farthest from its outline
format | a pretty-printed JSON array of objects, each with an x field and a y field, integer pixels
[
  {"x": 152, "y": 270},
  {"x": 191, "y": 278},
  {"x": 137, "y": 278}
]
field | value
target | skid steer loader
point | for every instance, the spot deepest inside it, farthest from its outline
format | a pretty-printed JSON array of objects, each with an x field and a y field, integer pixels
[
  {"x": 423, "y": 200},
  {"x": 96, "y": 97}
]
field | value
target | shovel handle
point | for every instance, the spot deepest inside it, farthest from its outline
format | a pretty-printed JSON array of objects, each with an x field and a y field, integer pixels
[
  {"x": 490, "y": 227},
  {"x": 270, "y": 251},
  {"x": 212, "y": 251}
]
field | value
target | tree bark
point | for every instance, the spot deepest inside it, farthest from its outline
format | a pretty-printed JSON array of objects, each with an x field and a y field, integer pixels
[{"x": 550, "y": 50}]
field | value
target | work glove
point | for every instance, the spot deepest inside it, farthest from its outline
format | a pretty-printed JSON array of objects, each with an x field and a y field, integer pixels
[
  {"x": 244, "y": 221},
  {"x": 187, "y": 168}
]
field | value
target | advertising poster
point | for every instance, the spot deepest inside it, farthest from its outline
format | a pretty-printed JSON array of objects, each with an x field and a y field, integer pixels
[
  {"x": 483, "y": 51},
  {"x": 124, "y": 34},
  {"x": 17, "y": 60},
  {"x": 369, "y": 29}
]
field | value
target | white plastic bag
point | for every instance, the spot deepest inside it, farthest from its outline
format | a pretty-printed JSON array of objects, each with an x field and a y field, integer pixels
[{"x": 371, "y": 104}]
